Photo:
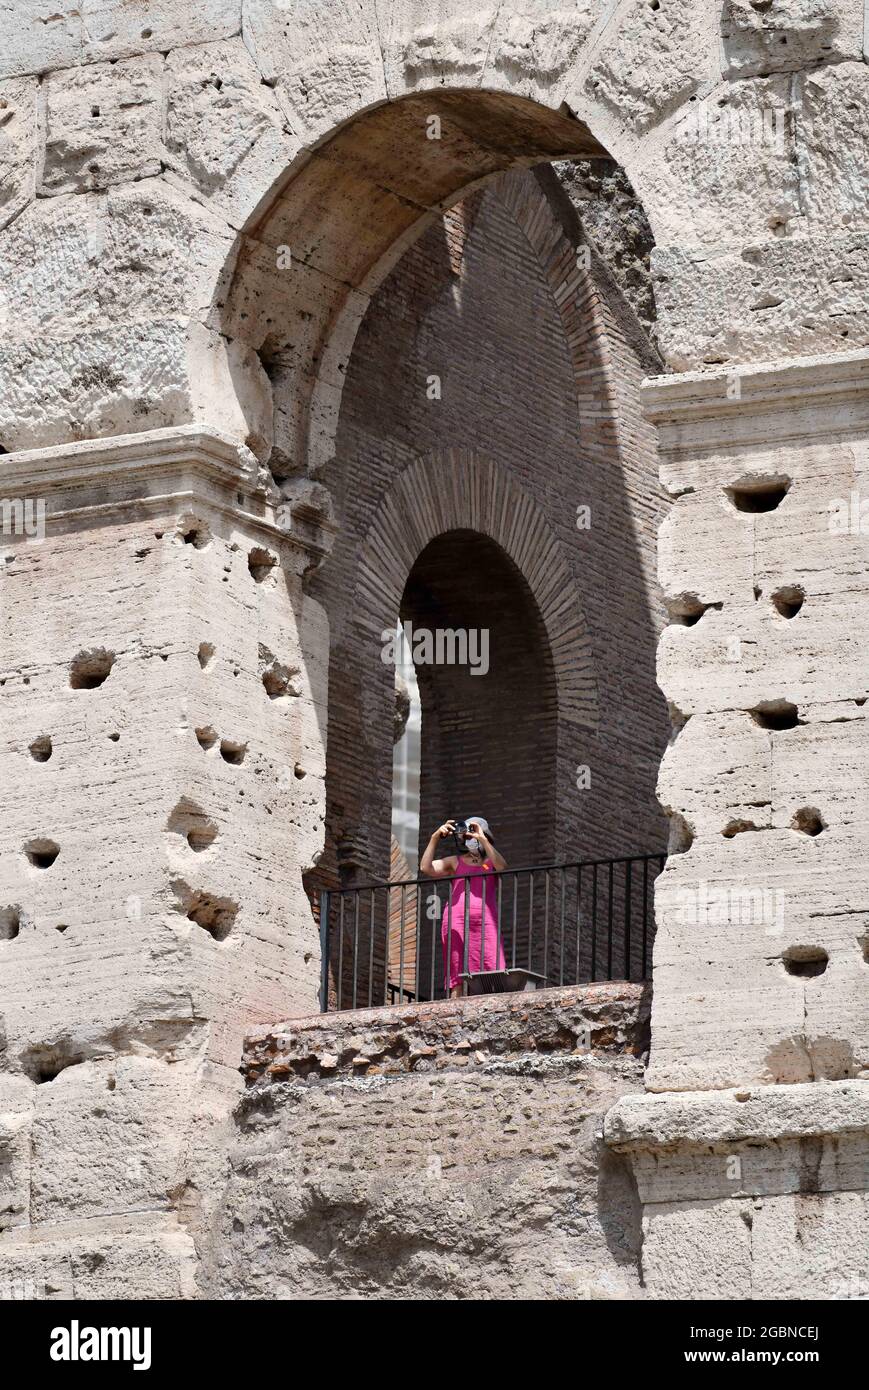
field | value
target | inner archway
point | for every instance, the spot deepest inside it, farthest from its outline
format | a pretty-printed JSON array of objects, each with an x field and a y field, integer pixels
[{"x": 489, "y": 718}]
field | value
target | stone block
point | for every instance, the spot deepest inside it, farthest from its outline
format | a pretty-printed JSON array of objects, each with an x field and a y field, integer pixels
[
  {"x": 324, "y": 64},
  {"x": 785, "y": 35},
  {"x": 103, "y": 124},
  {"x": 224, "y": 132},
  {"x": 17, "y": 146},
  {"x": 655, "y": 58}
]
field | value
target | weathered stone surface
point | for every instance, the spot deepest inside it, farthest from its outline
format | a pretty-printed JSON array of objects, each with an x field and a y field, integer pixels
[
  {"x": 695, "y": 1250},
  {"x": 466, "y": 1162},
  {"x": 782, "y": 297},
  {"x": 654, "y": 59},
  {"x": 727, "y": 171},
  {"x": 833, "y": 148},
  {"x": 811, "y": 1245},
  {"x": 535, "y": 43},
  {"x": 807, "y": 1245},
  {"x": 17, "y": 146},
  {"x": 424, "y": 49},
  {"x": 17, "y": 1096},
  {"x": 103, "y": 124},
  {"x": 120, "y": 28},
  {"x": 323, "y": 64},
  {"x": 694, "y": 1121},
  {"x": 787, "y": 34},
  {"x": 35, "y": 37},
  {"x": 101, "y": 1260},
  {"x": 607, "y": 1016},
  {"x": 224, "y": 128}
]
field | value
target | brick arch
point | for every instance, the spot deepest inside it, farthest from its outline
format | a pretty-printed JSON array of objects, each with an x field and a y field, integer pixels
[{"x": 456, "y": 489}]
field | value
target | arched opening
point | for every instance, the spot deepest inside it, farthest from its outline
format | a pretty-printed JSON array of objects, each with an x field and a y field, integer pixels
[
  {"x": 455, "y": 367},
  {"x": 488, "y": 695}
]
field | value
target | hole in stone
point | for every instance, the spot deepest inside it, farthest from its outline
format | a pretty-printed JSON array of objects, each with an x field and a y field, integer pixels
[
  {"x": 146, "y": 33},
  {"x": 10, "y": 923},
  {"x": 738, "y": 827},
  {"x": 788, "y": 600},
  {"x": 62, "y": 927},
  {"x": 863, "y": 943},
  {"x": 114, "y": 737},
  {"x": 685, "y": 609},
  {"x": 206, "y": 737},
  {"x": 199, "y": 837},
  {"x": 861, "y": 701},
  {"x": 43, "y": 1063},
  {"x": 205, "y": 654},
  {"x": 95, "y": 110},
  {"x": 190, "y": 820},
  {"x": 111, "y": 1083},
  {"x": 277, "y": 680},
  {"x": 89, "y": 669},
  {"x": 192, "y": 531},
  {"x": 760, "y": 494},
  {"x": 40, "y": 749},
  {"x": 41, "y": 853},
  {"x": 681, "y": 835},
  {"x": 261, "y": 563},
  {"x": 299, "y": 771},
  {"x": 212, "y": 913},
  {"x": 809, "y": 821},
  {"x": 775, "y": 714},
  {"x": 805, "y": 961},
  {"x": 232, "y": 752}
]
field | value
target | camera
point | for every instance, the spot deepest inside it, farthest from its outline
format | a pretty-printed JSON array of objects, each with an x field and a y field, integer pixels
[{"x": 460, "y": 834}]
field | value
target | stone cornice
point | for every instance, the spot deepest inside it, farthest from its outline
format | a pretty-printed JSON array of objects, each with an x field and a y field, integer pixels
[
  {"x": 770, "y": 403},
  {"x": 92, "y": 481},
  {"x": 671, "y": 1120}
]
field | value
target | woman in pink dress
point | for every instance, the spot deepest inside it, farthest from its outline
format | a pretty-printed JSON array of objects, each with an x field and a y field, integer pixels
[{"x": 473, "y": 872}]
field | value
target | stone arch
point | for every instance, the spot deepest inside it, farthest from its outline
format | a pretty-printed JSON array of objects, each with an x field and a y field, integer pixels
[{"x": 458, "y": 490}]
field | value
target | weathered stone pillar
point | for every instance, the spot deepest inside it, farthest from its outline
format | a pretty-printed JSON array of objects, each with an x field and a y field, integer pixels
[
  {"x": 164, "y": 726},
  {"x": 755, "y": 1181}
]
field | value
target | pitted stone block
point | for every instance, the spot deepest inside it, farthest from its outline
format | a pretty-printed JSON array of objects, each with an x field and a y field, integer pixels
[{"x": 103, "y": 124}]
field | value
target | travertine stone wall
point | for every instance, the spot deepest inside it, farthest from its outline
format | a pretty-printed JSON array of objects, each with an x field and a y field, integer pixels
[
  {"x": 437, "y": 1152},
  {"x": 196, "y": 205}
]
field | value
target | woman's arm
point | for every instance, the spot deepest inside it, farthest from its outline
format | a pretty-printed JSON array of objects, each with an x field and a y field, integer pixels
[
  {"x": 497, "y": 860},
  {"x": 438, "y": 868}
]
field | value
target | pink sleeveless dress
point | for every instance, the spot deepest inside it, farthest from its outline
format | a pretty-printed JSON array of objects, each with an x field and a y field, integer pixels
[{"x": 483, "y": 949}]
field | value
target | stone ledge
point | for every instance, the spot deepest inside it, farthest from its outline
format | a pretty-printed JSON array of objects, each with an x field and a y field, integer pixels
[
  {"x": 672, "y": 1120},
  {"x": 451, "y": 1035}
]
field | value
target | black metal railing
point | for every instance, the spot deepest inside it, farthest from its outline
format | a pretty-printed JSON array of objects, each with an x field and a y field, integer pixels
[{"x": 544, "y": 925}]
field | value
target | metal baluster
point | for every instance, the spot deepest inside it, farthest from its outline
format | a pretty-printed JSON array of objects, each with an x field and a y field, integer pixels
[
  {"x": 435, "y": 931},
  {"x": 467, "y": 942},
  {"x": 324, "y": 950},
  {"x": 371, "y": 951},
  {"x": 417, "y": 982},
  {"x": 448, "y": 967},
  {"x": 593, "y": 922},
  {"x": 341, "y": 950},
  {"x": 645, "y": 916},
  {"x": 578, "y": 920},
  {"x": 355, "y": 949},
  {"x": 628, "y": 919},
  {"x": 515, "y": 917},
  {"x": 545, "y": 971},
  {"x": 563, "y": 889},
  {"x": 401, "y": 946},
  {"x": 530, "y": 917},
  {"x": 609, "y": 924},
  {"x": 498, "y": 937}
]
